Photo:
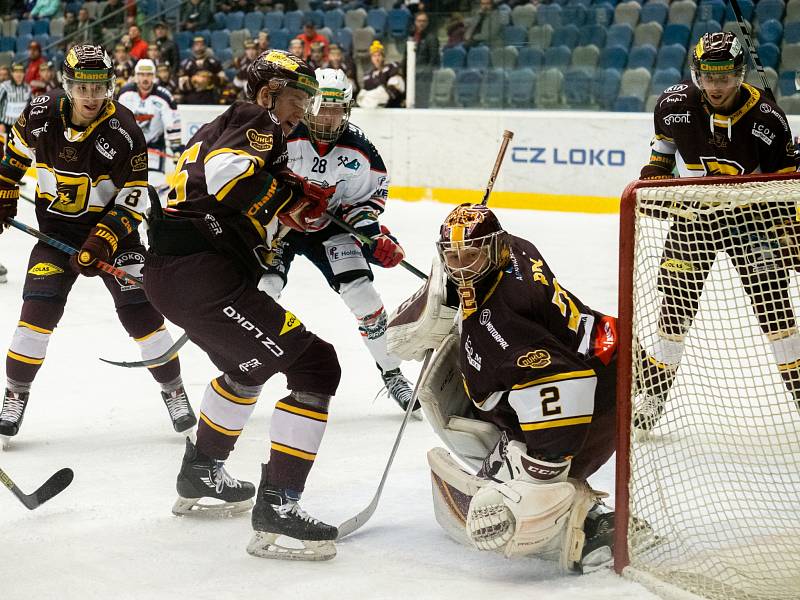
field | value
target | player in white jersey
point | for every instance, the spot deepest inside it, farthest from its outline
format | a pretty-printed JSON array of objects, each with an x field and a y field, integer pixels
[
  {"x": 156, "y": 113},
  {"x": 328, "y": 150}
]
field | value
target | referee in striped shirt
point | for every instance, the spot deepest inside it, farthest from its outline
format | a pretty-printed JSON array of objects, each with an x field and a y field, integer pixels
[{"x": 14, "y": 95}]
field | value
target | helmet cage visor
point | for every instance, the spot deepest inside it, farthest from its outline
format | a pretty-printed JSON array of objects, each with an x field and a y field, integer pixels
[
  {"x": 99, "y": 87},
  {"x": 468, "y": 261},
  {"x": 325, "y": 126}
]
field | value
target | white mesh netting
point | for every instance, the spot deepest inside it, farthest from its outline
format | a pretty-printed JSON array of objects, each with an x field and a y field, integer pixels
[{"x": 717, "y": 473}]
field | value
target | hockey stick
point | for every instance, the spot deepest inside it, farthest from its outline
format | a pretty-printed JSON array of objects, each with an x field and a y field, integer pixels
[
  {"x": 55, "y": 485},
  {"x": 102, "y": 265},
  {"x": 357, "y": 521},
  {"x": 748, "y": 40},
  {"x": 370, "y": 242}
]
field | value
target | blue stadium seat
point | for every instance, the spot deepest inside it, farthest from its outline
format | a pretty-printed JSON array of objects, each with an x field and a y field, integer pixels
[
  {"x": 184, "y": 53},
  {"x": 710, "y": 10},
  {"x": 478, "y": 57},
  {"x": 8, "y": 44},
  {"x": 495, "y": 88},
  {"x": 317, "y": 16},
  {"x": 605, "y": 87},
  {"x": 514, "y": 35},
  {"x": 770, "y": 9},
  {"x": 770, "y": 32},
  {"x": 23, "y": 41},
  {"x": 41, "y": 26},
  {"x": 786, "y": 83},
  {"x": 557, "y": 56},
  {"x": 671, "y": 57},
  {"x": 344, "y": 37},
  {"x": 613, "y": 57},
  {"x": 273, "y": 20},
  {"x": 521, "y": 87},
  {"x": 220, "y": 19},
  {"x": 575, "y": 14},
  {"x": 468, "y": 87},
  {"x": 603, "y": 14},
  {"x": 770, "y": 55},
  {"x": 620, "y": 34},
  {"x": 654, "y": 12},
  {"x": 279, "y": 39},
  {"x": 701, "y": 27},
  {"x": 675, "y": 33},
  {"x": 549, "y": 14},
  {"x": 73, "y": 7},
  {"x": 746, "y": 6},
  {"x": 566, "y": 35},
  {"x": 578, "y": 88},
  {"x": 293, "y": 21},
  {"x": 664, "y": 78},
  {"x": 454, "y": 58},
  {"x": 791, "y": 32},
  {"x": 628, "y": 104},
  {"x": 334, "y": 19},
  {"x": 376, "y": 18},
  {"x": 530, "y": 58},
  {"x": 253, "y": 21},
  {"x": 592, "y": 34},
  {"x": 234, "y": 21},
  {"x": 43, "y": 39},
  {"x": 642, "y": 56},
  {"x": 225, "y": 56},
  {"x": 183, "y": 39},
  {"x": 25, "y": 27},
  {"x": 398, "y": 22},
  {"x": 219, "y": 40}
]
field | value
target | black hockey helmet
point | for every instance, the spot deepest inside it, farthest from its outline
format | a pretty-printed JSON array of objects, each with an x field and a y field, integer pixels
[
  {"x": 719, "y": 52},
  {"x": 472, "y": 244},
  {"x": 278, "y": 69},
  {"x": 88, "y": 72}
]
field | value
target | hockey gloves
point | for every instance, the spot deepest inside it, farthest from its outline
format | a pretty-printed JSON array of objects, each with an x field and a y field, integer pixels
[
  {"x": 308, "y": 204},
  {"x": 100, "y": 245},
  {"x": 386, "y": 250},
  {"x": 8, "y": 205}
]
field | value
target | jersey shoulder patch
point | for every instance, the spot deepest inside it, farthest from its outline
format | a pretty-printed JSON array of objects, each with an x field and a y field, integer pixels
[
  {"x": 354, "y": 137},
  {"x": 45, "y": 106}
]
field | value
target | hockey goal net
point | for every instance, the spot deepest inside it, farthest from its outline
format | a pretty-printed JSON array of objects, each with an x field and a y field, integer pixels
[{"x": 708, "y": 492}]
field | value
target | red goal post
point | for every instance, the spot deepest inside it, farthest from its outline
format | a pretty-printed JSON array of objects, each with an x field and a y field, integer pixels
[{"x": 699, "y": 545}]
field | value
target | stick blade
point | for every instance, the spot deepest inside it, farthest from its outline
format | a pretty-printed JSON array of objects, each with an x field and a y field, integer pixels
[
  {"x": 354, "y": 523},
  {"x": 57, "y": 483}
]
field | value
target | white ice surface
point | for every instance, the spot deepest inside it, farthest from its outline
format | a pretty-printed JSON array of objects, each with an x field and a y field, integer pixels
[{"x": 111, "y": 534}]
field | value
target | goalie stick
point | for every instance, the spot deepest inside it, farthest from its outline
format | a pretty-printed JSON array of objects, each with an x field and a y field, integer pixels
[
  {"x": 357, "y": 521},
  {"x": 55, "y": 485}
]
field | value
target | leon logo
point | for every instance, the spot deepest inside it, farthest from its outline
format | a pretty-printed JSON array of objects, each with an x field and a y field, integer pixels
[
  {"x": 289, "y": 323},
  {"x": 259, "y": 141},
  {"x": 537, "y": 359},
  {"x": 45, "y": 269}
]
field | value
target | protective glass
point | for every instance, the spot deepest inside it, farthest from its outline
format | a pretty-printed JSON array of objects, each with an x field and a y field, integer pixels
[{"x": 83, "y": 90}]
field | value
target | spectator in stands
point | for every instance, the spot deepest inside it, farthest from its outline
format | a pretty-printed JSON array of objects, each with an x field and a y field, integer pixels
[
  {"x": 456, "y": 29},
  {"x": 44, "y": 9},
  {"x": 70, "y": 27},
  {"x": 297, "y": 47},
  {"x": 198, "y": 15},
  {"x": 316, "y": 58},
  {"x": 200, "y": 89},
  {"x": 337, "y": 59},
  {"x": 167, "y": 49},
  {"x": 137, "y": 46},
  {"x": 86, "y": 31},
  {"x": 166, "y": 78},
  {"x": 201, "y": 60},
  {"x": 427, "y": 42},
  {"x": 5, "y": 74},
  {"x": 112, "y": 17},
  {"x": 34, "y": 60},
  {"x": 241, "y": 64},
  {"x": 47, "y": 80},
  {"x": 383, "y": 84},
  {"x": 123, "y": 65},
  {"x": 485, "y": 27},
  {"x": 311, "y": 36},
  {"x": 262, "y": 42}
]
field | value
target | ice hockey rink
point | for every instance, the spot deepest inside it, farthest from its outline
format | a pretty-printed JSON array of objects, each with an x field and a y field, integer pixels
[{"x": 111, "y": 534}]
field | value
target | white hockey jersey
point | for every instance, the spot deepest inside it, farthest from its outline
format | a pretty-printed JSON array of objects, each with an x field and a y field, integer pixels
[
  {"x": 354, "y": 166},
  {"x": 157, "y": 115}
]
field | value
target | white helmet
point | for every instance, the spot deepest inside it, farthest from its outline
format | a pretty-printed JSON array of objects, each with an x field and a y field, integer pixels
[
  {"x": 337, "y": 92},
  {"x": 145, "y": 65}
]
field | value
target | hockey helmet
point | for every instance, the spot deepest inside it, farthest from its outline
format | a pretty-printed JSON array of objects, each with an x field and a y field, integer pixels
[
  {"x": 718, "y": 53},
  {"x": 88, "y": 73},
  {"x": 277, "y": 69},
  {"x": 145, "y": 65},
  {"x": 472, "y": 244},
  {"x": 334, "y": 114}
]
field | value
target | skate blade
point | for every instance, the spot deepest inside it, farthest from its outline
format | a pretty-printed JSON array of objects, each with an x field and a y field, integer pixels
[
  {"x": 281, "y": 547},
  {"x": 194, "y": 507},
  {"x": 600, "y": 558},
  {"x": 5, "y": 442}
]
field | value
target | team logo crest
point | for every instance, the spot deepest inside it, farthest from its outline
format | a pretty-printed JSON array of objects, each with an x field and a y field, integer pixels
[
  {"x": 538, "y": 359},
  {"x": 45, "y": 269},
  {"x": 21, "y": 121},
  {"x": 139, "y": 162},
  {"x": 466, "y": 216},
  {"x": 132, "y": 263},
  {"x": 69, "y": 154},
  {"x": 261, "y": 142}
]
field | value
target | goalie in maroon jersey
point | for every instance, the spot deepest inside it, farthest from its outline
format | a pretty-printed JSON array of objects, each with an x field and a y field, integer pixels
[
  {"x": 718, "y": 125},
  {"x": 91, "y": 164},
  {"x": 524, "y": 393}
]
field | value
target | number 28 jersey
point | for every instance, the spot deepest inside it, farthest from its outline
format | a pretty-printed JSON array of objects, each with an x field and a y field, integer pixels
[{"x": 81, "y": 173}]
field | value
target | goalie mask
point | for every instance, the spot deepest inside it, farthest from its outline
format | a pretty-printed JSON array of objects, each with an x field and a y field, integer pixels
[
  {"x": 277, "y": 69},
  {"x": 472, "y": 244},
  {"x": 88, "y": 73},
  {"x": 334, "y": 112}
]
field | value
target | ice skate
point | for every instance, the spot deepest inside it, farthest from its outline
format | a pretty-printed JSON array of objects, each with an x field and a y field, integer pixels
[
  {"x": 180, "y": 411},
  {"x": 283, "y": 530},
  {"x": 3, "y": 274},
  {"x": 599, "y": 545},
  {"x": 400, "y": 390},
  {"x": 648, "y": 411},
  {"x": 14, "y": 404},
  {"x": 203, "y": 477}
]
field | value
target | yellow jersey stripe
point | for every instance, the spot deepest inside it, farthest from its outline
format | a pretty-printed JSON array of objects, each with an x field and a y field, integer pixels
[
  {"x": 228, "y": 396},
  {"x": 559, "y": 423},
  {"x": 219, "y": 428},
  {"x": 25, "y": 359},
  {"x": 35, "y": 328},
  {"x": 149, "y": 335},
  {"x": 557, "y": 377},
  {"x": 292, "y": 451},
  {"x": 135, "y": 184},
  {"x": 232, "y": 183},
  {"x": 311, "y": 414}
]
